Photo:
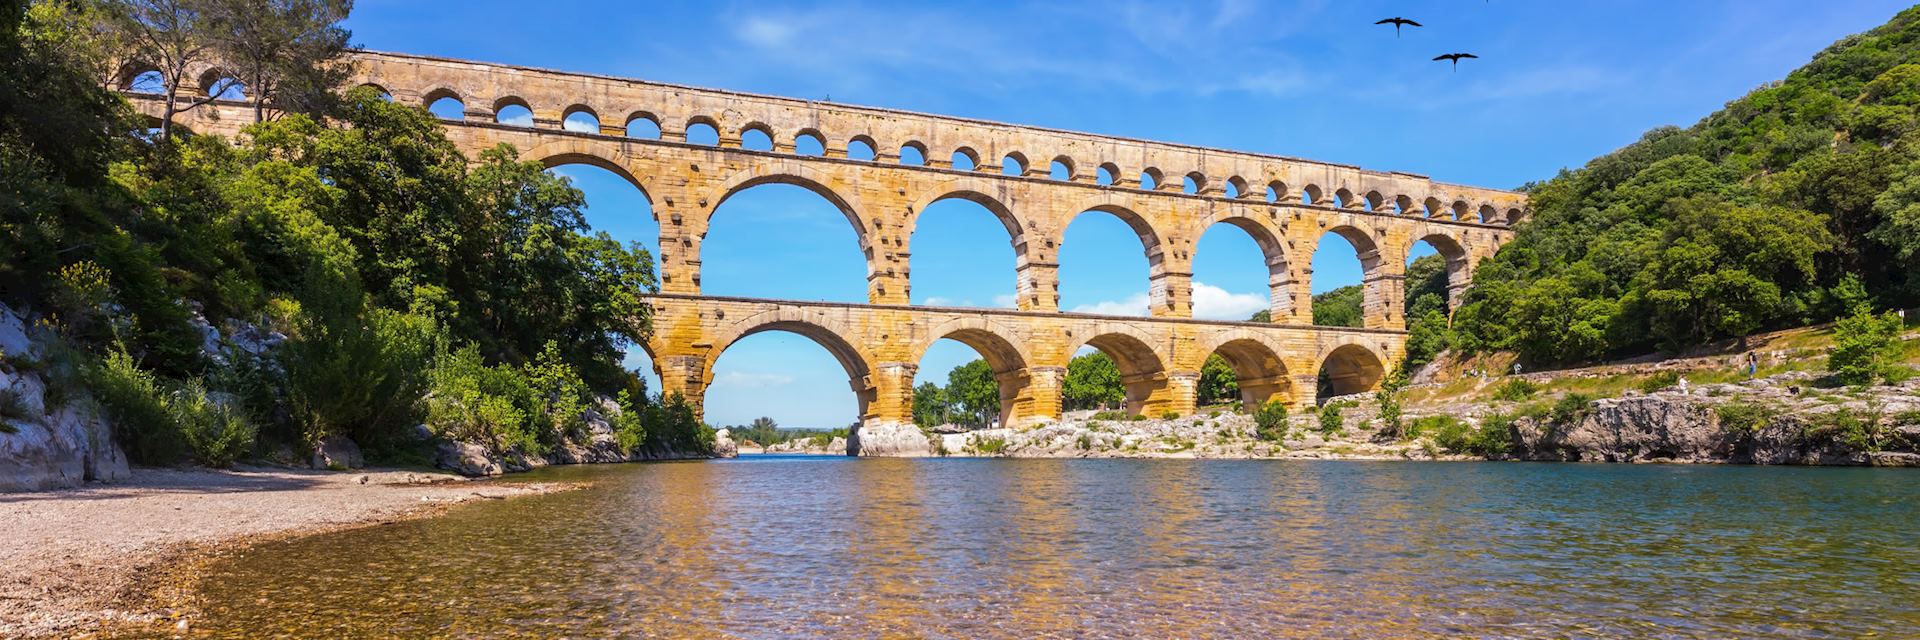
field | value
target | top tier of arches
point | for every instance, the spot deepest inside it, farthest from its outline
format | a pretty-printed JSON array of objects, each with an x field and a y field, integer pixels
[{"x": 632, "y": 108}]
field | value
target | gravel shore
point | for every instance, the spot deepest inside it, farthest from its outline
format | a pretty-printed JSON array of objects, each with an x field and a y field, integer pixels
[{"x": 96, "y": 556}]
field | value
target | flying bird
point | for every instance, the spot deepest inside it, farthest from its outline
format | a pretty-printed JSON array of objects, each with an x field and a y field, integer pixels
[
  {"x": 1455, "y": 57},
  {"x": 1398, "y": 22}
]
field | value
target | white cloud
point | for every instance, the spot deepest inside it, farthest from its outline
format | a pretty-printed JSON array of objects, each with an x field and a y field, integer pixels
[
  {"x": 1004, "y": 301},
  {"x": 748, "y": 380},
  {"x": 1133, "y": 305},
  {"x": 1214, "y": 303},
  {"x": 940, "y": 301}
]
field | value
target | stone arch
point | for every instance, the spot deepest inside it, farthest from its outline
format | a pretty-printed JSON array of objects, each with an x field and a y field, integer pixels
[
  {"x": 1513, "y": 216},
  {"x": 1273, "y": 249},
  {"x": 365, "y": 85},
  {"x": 1450, "y": 249},
  {"x": 1198, "y": 180},
  {"x": 131, "y": 72},
  {"x": 686, "y": 131},
  {"x": 1151, "y": 240},
  {"x": 819, "y": 139},
  {"x": 873, "y": 147},
  {"x": 760, "y": 128},
  {"x": 1239, "y": 187},
  {"x": 1459, "y": 210},
  {"x": 1373, "y": 201},
  {"x": 1066, "y": 163},
  {"x": 561, "y": 152},
  {"x": 1345, "y": 199},
  {"x": 795, "y": 174},
  {"x": 813, "y": 324},
  {"x": 1004, "y": 352},
  {"x": 916, "y": 146},
  {"x": 1350, "y": 367},
  {"x": 1256, "y": 362},
  {"x": 437, "y": 94},
  {"x": 1153, "y": 179},
  {"x": 643, "y": 116},
  {"x": 974, "y": 190},
  {"x": 1276, "y": 191},
  {"x": 1113, "y": 173},
  {"x": 1488, "y": 215},
  {"x": 1143, "y": 369},
  {"x": 1403, "y": 205},
  {"x": 972, "y": 157},
  {"x": 1021, "y": 165},
  {"x": 213, "y": 77},
  {"x": 1311, "y": 194},
  {"x": 1434, "y": 208},
  {"x": 580, "y": 109}
]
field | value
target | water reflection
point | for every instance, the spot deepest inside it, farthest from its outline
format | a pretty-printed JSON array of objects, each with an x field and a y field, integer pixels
[{"x": 831, "y": 547}]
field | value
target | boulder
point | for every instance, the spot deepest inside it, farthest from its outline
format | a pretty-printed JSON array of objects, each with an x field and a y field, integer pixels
[
  {"x": 886, "y": 439},
  {"x": 338, "y": 452},
  {"x": 467, "y": 459},
  {"x": 723, "y": 444}
]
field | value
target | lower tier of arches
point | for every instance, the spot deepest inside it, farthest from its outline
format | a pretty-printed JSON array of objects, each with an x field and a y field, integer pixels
[{"x": 1159, "y": 359}]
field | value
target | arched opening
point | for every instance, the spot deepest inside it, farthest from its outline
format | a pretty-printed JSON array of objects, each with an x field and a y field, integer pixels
[
  {"x": 1488, "y": 215},
  {"x": 620, "y": 208},
  {"x": 800, "y": 375},
  {"x": 783, "y": 237},
  {"x": 1106, "y": 174},
  {"x": 1113, "y": 371},
  {"x": 1150, "y": 179},
  {"x": 1061, "y": 169},
  {"x": 446, "y": 107},
  {"x": 643, "y": 126},
  {"x": 1276, "y": 191},
  {"x": 1193, "y": 183},
  {"x": 1013, "y": 164},
  {"x": 1237, "y": 187},
  {"x": 580, "y": 120},
  {"x": 756, "y": 138},
  {"x": 913, "y": 154},
  {"x": 702, "y": 131},
  {"x": 809, "y": 143},
  {"x": 861, "y": 148},
  {"x": 1341, "y": 260},
  {"x": 1107, "y": 256},
  {"x": 218, "y": 85},
  {"x": 1436, "y": 268},
  {"x": 1348, "y": 370},
  {"x": 513, "y": 112},
  {"x": 967, "y": 380},
  {"x": 149, "y": 81},
  {"x": 1513, "y": 216},
  {"x": 964, "y": 159},
  {"x": 1243, "y": 373},
  {"x": 1460, "y": 210},
  {"x": 1311, "y": 195},
  {"x": 1373, "y": 201},
  {"x": 961, "y": 253},
  {"x": 1432, "y": 208},
  {"x": 1402, "y": 205},
  {"x": 1343, "y": 198},
  {"x": 1233, "y": 266}
]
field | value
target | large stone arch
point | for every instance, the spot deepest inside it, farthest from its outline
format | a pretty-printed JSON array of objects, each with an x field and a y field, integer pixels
[
  {"x": 978, "y": 191},
  {"x": 1273, "y": 249},
  {"x": 592, "y": 153},
  {"x": 1377, "y": 308},
  {"x": 1258, "y": 367},
  {"x": 1454, "y": 250},
  {"x": 1005, "y": 352},
  {"x": 1350, "y": 366},
  {"x": 1143, "y": 368},
  {"x": 813, "y": 324},
  {"x": 1164, "y": 299}
]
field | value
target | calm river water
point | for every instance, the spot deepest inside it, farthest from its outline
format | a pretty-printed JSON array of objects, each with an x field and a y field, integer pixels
[{"x": 768, "y": 546}]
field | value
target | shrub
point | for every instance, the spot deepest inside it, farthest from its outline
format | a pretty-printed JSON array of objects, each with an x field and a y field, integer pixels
[
  {"x": 217, "y": 432},
  {"x": 1743, "y": 418},
  {"x": 990, "y": 446},
  {"x": 1515, "y": 390},
  {"x": 487, "y": 405},
  {"x": 1866, "y": 349},
  {"x": 1084, "y": 442},
  {"x": 629, "y": 432},
  {"x": 132, "y": 399},
  {"x": 1569, "y": 409},
  {"x": 1448, "y": 432},
  {"x": 1111, "y": 414},
  {"x": 1660, "y": 381},
  {"x": 1138, "y": 417},
  {"x": 12, "y": 406},
  {"x": 1494, "y": 437},
  {"x": 1270, "y": 421},
  {"x": 1169, "y": 415},
  {"x": 1330, "y": 420}
]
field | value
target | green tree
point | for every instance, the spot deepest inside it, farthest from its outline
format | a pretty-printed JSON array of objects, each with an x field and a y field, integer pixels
[
  {"x": 1866, "y": 349},
  {"x": 972, "y": 390},
  {"x": 1219, "y": 383},
  {"x": 285, "y": 53},
  {"x": 1093, "y": 382},
  {"x": 1340, "y": 307},
  {"x": 930, "y": 405}
]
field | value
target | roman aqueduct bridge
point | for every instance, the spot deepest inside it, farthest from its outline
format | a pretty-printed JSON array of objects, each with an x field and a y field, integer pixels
[{"x": 881, "y": 167}]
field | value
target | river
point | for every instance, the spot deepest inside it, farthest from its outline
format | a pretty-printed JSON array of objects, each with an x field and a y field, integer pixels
[{"x": 775, "y": 546}]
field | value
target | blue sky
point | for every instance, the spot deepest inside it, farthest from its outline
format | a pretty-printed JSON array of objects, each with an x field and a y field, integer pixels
[{"x": 1557, "y": 83}]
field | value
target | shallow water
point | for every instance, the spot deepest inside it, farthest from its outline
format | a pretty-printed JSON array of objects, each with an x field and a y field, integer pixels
[{"x": 771, "y": 546}]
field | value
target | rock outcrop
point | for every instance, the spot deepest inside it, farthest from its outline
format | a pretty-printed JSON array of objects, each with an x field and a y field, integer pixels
[
  {"x": 888, "y": 440},
  {"x": 47, "y": 442}
]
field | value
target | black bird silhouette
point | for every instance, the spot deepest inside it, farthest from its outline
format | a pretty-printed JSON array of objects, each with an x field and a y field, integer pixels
[
  {"x": 1455, "y": 57},
  {"x": 1398, "y": 22}
]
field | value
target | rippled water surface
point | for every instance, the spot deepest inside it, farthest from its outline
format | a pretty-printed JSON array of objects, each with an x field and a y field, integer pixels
[{"x": 835, "y": 547}]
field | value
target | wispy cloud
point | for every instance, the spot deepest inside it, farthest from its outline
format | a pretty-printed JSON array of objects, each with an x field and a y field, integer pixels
[
  {"x": 1133, "y": 305},
  {"x": 751, "y": 380},
  {"x": 1209, "y": 303}
]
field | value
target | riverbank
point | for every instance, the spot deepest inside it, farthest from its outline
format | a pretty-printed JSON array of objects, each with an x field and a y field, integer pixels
[{"x": 116, "y": 554}]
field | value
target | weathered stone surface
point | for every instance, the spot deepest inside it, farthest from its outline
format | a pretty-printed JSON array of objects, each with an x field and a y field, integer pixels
[
  {"x": 337, "y": 452},
  {"x": 49, "y": 447},
  {"x": 467, "y": 459},
  {"x": 723, "y": 444},
  {"x": 880, "y": 343},
  {"x": 888, "y": 439}
]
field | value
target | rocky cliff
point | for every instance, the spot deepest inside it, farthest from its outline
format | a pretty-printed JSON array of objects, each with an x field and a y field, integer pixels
[{"x": 49, "y": 438}]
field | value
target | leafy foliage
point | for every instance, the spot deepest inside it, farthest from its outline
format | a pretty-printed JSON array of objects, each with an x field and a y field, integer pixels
[
  {"x": 1340, "y": 307},
  {"x": 1219, "y": 383},
  {"x": 1270, "y": 421},
  {"x": 1866, "y": 349},
  {"x": 1093, "y": 381},
  {"x": 1749, "y": 220},
  {"x": 1515, "y": 390},
  {"x": 971, "y": 398}
]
